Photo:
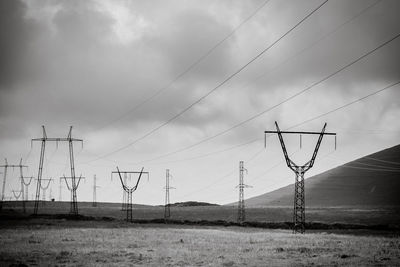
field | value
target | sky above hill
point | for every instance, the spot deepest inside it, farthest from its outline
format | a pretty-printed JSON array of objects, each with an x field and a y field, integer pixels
[{"x": 136, "y": 81}]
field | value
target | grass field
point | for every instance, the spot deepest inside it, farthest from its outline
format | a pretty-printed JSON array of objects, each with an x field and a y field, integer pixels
[
  {"x": 42, "y": 242},
  {"x": 360, "y": 215}
]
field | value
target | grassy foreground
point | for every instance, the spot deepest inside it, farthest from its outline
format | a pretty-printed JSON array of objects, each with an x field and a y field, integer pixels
[{"x": 64, "y": 243}]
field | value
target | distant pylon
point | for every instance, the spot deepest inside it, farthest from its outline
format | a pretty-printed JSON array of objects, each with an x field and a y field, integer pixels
[
  {"x": 25, "y": 186},
  {"x": 241, "y": 207},
  {"x": 6, "y": 166},
  {"x": 44, "y": 189},
  {"x": 299, "y": 216},
  {"x": 73, "y": 188},
  {"x": 60, "y": 190},
  {"x": 167, "y": 210},
  {"x": 95, "y": 186},
  {"x": 129, "y": 190}
]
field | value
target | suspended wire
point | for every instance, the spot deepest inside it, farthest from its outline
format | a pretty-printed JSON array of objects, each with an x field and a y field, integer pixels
[
  {"x": 385, "y": 161},
  {"x": 348, "y": 104},
  {"x": 222, "y": 178},
  {"x": 290, "y": 98},
  {"x": 291, "y": 127},
  {"x": 283, "y": 63},
  {"x": 214, "y": 89},
  {"x": 371, "y": 169},
  {"x": 207, "y": 154},
  {"x": 188, "y": 69},
  {"x": 378, "y": 166}
]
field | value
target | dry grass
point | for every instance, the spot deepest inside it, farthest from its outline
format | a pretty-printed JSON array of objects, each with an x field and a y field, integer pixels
[{"x": 44, "y": 245}]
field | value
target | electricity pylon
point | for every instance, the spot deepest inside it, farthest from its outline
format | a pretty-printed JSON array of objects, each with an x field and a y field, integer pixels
[
  {"x": 16, "y": 196},
  {"x": 60, "y": 190},
  {"x": 45, "y": 139},
  {"x": 299, "y": 170},
  {"x": 6, "y": 166},
  {"x": 25, "y": 187},
  {"x": 74, "y": 203},
  {"x": 94, "y": 203},
  {"x": 129, "y": 191},
  {"x": 44, "y": 188},
  {"x": 241, "y": 207},
  {"x": 167, "y": 210}
]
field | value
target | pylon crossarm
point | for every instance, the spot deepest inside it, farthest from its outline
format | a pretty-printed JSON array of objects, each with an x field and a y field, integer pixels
[
  {"x": 15, "y": 195},
  {"x": 48, "y": 183},
  {"x": 122, "y": 182},
  {"x": 28, "y": 183},
  {"x": 71, "y": 188}
]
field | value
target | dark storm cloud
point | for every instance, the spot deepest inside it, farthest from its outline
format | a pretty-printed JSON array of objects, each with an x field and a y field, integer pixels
[
  {"x": 15, "y": 35},
  {"x": 82, "y": 74}
]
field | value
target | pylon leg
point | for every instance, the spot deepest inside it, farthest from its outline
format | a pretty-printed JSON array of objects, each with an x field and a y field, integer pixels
[
  {"x": 39, "y": 179},
  {"x": 299, "y": 203}
]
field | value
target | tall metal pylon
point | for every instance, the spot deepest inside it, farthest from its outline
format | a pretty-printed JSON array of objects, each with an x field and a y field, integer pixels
[
  {"x": 129, "y": 191},
  {"x": 241, "y": 207},
  {"x": 95, "y": 186},
  {"x": 299, "y": 216},
  {"x": 16, "y": 196},
  {"x": 25, "y": 188},
  {"x": 6, "y": 166},
  {"x": 44, "y": 188},
  {"x": 167, "y": 210},
  {"x": 72, "y": 188},
  {"x": 70, "y": 141}
]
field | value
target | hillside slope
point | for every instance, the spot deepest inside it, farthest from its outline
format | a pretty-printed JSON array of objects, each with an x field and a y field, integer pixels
[{"x": 373, "y": 180}]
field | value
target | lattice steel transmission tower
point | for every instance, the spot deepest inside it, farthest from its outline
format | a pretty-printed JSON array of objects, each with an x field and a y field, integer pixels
[
  {"x": 25, "y": 187},
  {"x": 6, "y": 166},
  {"x": 16, "y": 196},
  {"x": 44, "y": 188},
  {"x": 167, "y": 210},
  {"x": 73, "y": 203},
  {"x": 241, "y": 207},
  {"x": 60, "y": 189},
  {"x": 129, "y": 191},
  {"x": 299, "y": 170},
  {"x": 70, "y": 141},
  {"x": 95, "y": 186}
]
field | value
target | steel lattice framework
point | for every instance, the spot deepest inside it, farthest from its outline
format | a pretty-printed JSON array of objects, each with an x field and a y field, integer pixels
[
  {"x": 167, "y": 209},
  {"x": 73, "y": 188},
  {"x": 70, "y": 141},
  {"x": 299, "y": 170},
  {"x": 6, "y": 166},
  {"x": 129, "y": 191},
  {"x": 241, "y": 207},
  {"x": 95, "y": 186}
]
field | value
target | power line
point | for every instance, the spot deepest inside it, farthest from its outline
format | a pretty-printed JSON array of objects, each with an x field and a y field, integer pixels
[
  {"x": 288, "y": 99},
  {"x": 385, "y": 161},
  {"x": 371, "y": 169},
  {"x": 214, "y": 89},
  {"x": 188, "y": 69},
  {"x": 283, "y": 63},
  {"x": 299, "y": 124},
  {"x": 348, "y": 104}
]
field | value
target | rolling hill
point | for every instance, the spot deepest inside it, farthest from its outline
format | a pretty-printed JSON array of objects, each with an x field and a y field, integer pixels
[{"x": 373, "y": 180}]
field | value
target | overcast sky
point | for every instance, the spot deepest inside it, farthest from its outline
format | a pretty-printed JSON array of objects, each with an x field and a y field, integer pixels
[{"x": 107, "y": 67}]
